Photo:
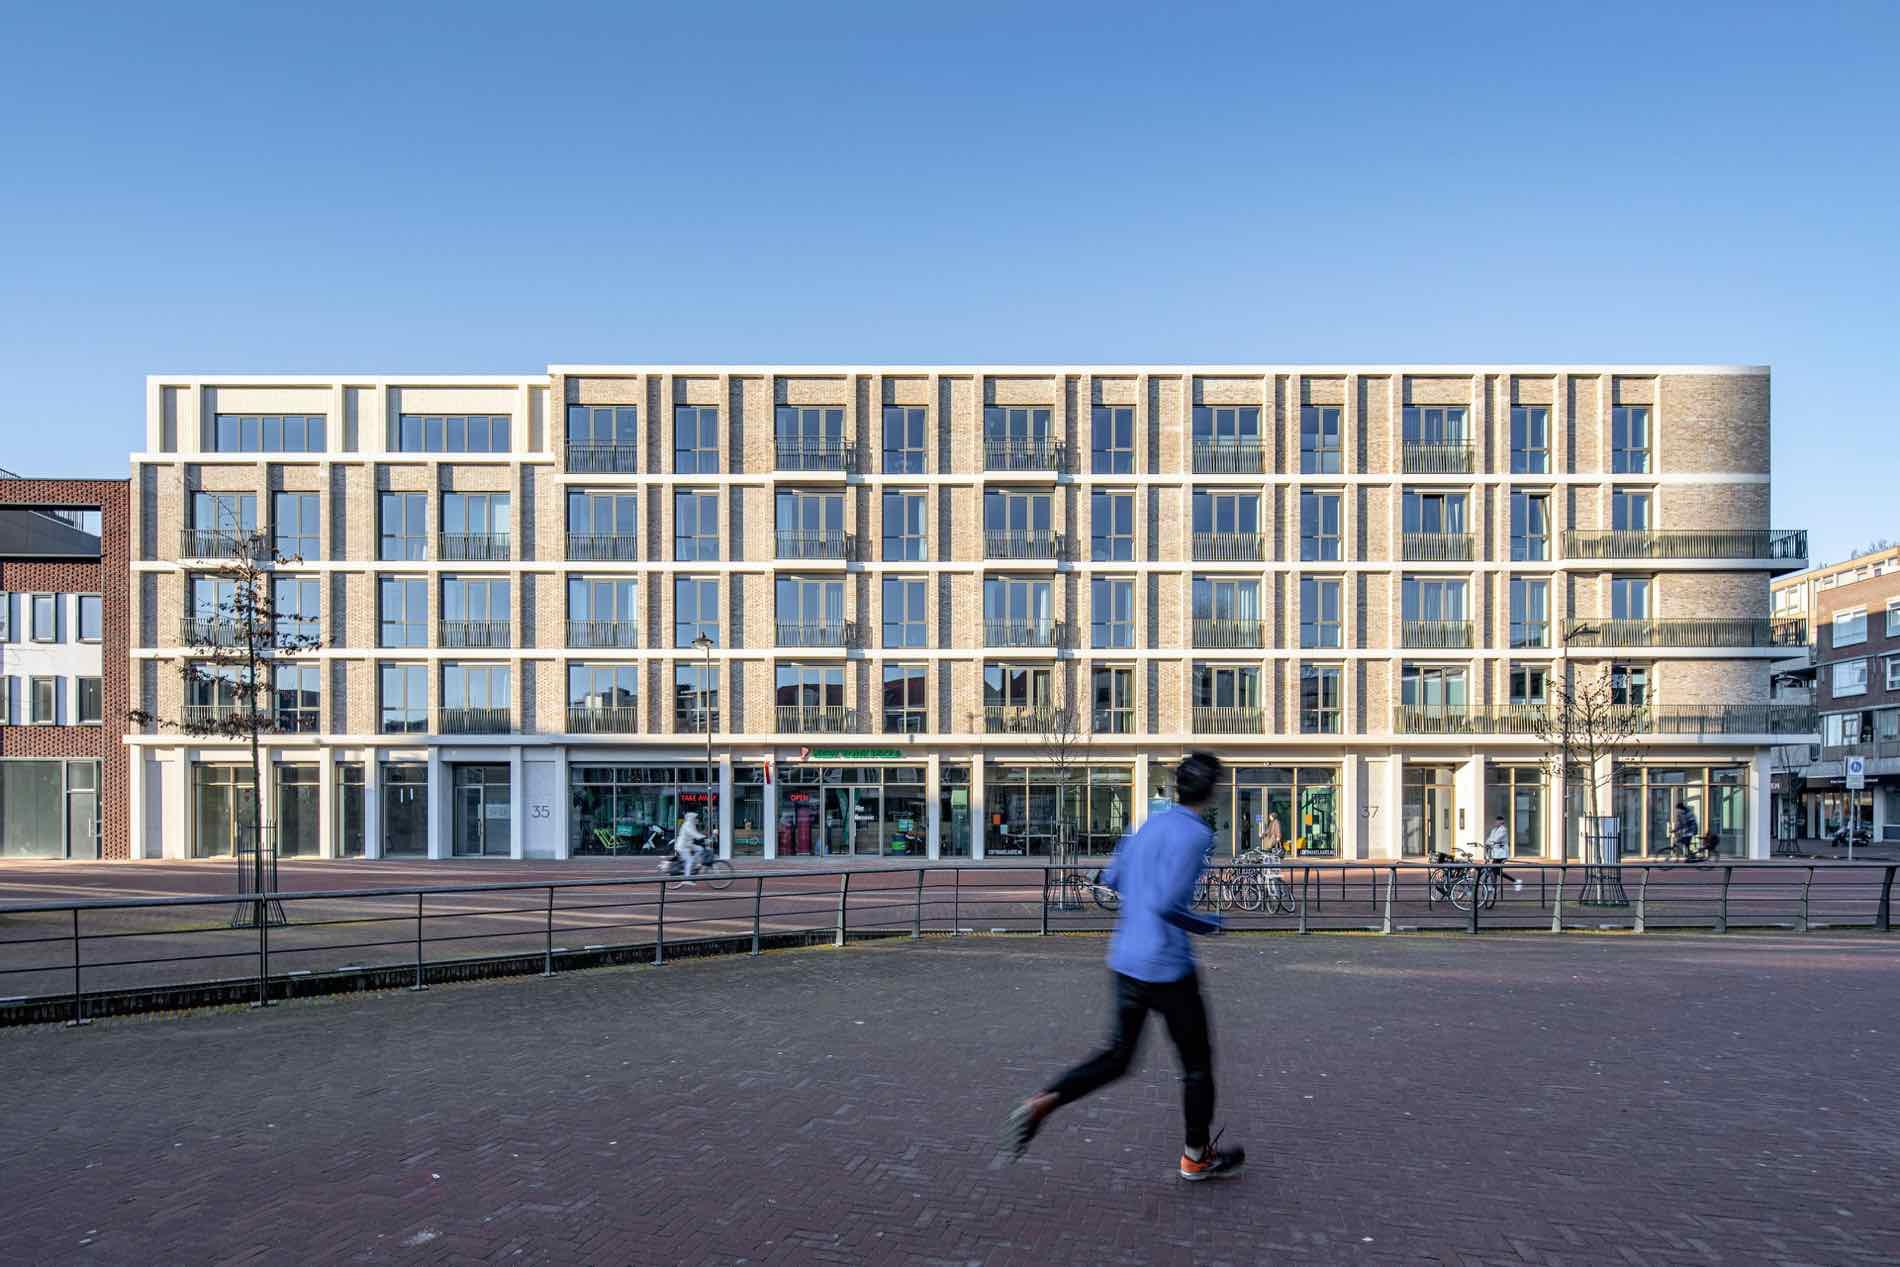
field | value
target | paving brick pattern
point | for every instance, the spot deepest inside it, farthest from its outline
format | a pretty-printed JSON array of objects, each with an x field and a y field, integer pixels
[{"x": 1673, "y": 1100}]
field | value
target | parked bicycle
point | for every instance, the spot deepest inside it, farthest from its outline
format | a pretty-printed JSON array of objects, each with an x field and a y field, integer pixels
[
  {"x": 1276, "y": 894},
  {"x": 1077, "y": 887},
  {"x": 1464, "y": 878}
]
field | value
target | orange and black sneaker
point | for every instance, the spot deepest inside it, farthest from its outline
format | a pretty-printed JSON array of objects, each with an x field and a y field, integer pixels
[{"x": 1215, "y": 1162}]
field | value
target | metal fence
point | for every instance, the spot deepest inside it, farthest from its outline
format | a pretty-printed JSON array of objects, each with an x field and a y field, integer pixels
[{"x": 75, "y": 960}]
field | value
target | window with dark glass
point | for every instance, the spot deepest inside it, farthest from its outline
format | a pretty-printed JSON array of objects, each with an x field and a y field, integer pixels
[
  {"x": 266, "y": 433},
  {"x": 91, "y": 701},
  {"x": 404, "y": 691},
  {"x": 1530, "y": 527},
  {"x": 450, "y": 433},
  {"x": 294, "y": 699},
  {"x": 1112, "y": 693},
  {"x": 810, "y": 610},
  {"x": 475, "y": 517},
  {"x": 1234, "y": 425},
  {"x": 603, "y": 427},
  {"x": 1319, "y": 612},
  {"x": 904, "y": 710},
  {"x": 294, "y": 525},
  {"x": 1112, "y": 439},
  {"x": 1017, "y": 686},
  {"x": 1434, "y": 424},
  {"x": 904, "y": 620},
  {"x": 1529, "y": 684},
  {"x": 603, "y": 525},
  {"x": 695, "y": 609},
  {"x": 601, "y": 610},
  {"x": 44, "y": 625},
  {"x": 1319, "y": 527},
  {"x": 1629, "y": 685},
  {"x": 476, "y": 611},
  {"x": 403, "y": 611},
  {"x": 1434, "y": 687},
  {"x": 809, "y": 525},
  {"x": 695, "y": 698},
  {"x": 904, "y": 527},
  {"x": 1629, "y": 598},
  {"x": 403, "y": 527},
  {"x": 904, "y": 439},
  {"x": 482, "y": 687},
  {"x": 695, "y": 440},
  {"x": 808, "y": 436},
  {"x": 1530, "y": 612},
  {"x": 1023, "y": 517},
  {"x": 1112, "y": 527},
  {"x": 295, "y": 611},
  {"x": 231, "y": 515},
  {"x": 1319, "y": 699},
  {"x": 1433, "y": 598},
  {"x": 809, "y": 696},
  {"x": 1530, "y": 439},
  {"x": 91, "y": 617},
  {"x": 696, "y": 526},
  {"x": 1629, "y": 510},
  {"x": 1629, "y": 440},
  {"x": 1226, "y": 686},
  {"x": 1320, "y": 452},
  {"x": 1111, "y": 612},
  {"x": 603, "y": 686},
  {"x": 1423, "y": 512}
]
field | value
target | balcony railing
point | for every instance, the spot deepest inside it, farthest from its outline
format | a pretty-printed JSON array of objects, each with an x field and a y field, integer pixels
[
  {"x": 1710, "y": 543},
  {"x": 475, "y": 547},
  {"x": 221, "y": 543},
  {"x": 1671, "y": 633},
  {"x": 1230, "y": 547},
  {"x": 798, "y": 633},
  {"x": 603, "y": 633},
  {"x": 1438, "y": 457},
  {"x": 1473, "y": 719},
  {"x": 592, "y": 547},
  {"x": 1437, "y": 547},
  {"x": 1020, "y": 544},
  {"x": 1435, "y": 635},
  {"x": 473, "y": 721},
  {"x": 816, "y": 455},
  {"x": 1024, "y": 455},
  {"x": 1649, "y": 719},
  {"x": 695, "y": 721},
  {"x": 210, "y": 631},
  {"x": 1218, "y": 633},
  {"x": 816, "y": 719},
  {"x": 1025, "y": 633},
  {"x": 215, "y": 714},
  {"x": 586, "y": 458},
  {"x": 1113, "y": 721},
  {"x": 820, "y": 544},
  {"x": 1873, "y": 749},
  {"x": 617, "y": 719},
  {"x": 1018, "y": 719},
  {"x": 1229, "y": 457},
  {"x": 1732, "y": 719},
  {"x": 472, "y": 633},
  {"x": 1228, "y": 721},
  {"x": 296, "y": 721}
]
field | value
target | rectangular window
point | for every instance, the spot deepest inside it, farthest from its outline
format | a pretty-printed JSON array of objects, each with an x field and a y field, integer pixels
[
  {"x": 1432, "y": 687},
  {"x": 405, "y": 699},
  {"x": 604, "y": 428},
  {"x": 695, "y": 440},
  {"x": 1893, "y": 673},
  {"x": 1629, "y": 685},
  {"x": 232, "y": 515},
  {"x": 1319, "y": 699},
  {"x": 92, "y": 699},
  {"x": 1629, "y": 598},
  {"x": 484, "y": 687},
  {"x": 403, "y": 611},
  {"x": 1629, "y": 510},
  {"x": 904, "y": 620},
  {"x": 266, "y": 433},
  {"x": 295, "y": 615},
  {"x": 1435, "y": 424},
  {"x": 1018, "y": 525},
  {"x": 45, "y": 626},
  {"x": 904, "y": 527},
  {"x": 695, "y": 699},
  {"x": 6, "y": 616},
  {"x": 1433, "y": 512},
  {"x": 477, "y": 611},
  {"x": 1629, "y": 440},
  {"x": 602, "y": 611},
  {"x": 1530, "y": 440},
  {"x": 44, "y": 694},
  {"x": 1893, "y": 619},
  {"x": 1226, "y": 526},
  {"x": 904, "y": 439},
  {"x": 1529, "y": 684},
  {"x": 1227, "y": 439},
  {"x": 1112, "y": 690},
  {"x": 695, "y": 609},
  {"x": 809, "y": 438},
  {"x": 403, "y": 527},
  {"x": 1319, "y": 612},
  {"x": 810, "y": 611},
  {"x": 1530, "y": 527},
  {"x": 1850, "y": 627},
  {"x": 1224, "y": 599},
  {"x": 294, "y": 702},
  {"x": 1017, "y": 438},
  {"x": 809, "y": 525},
  {"x": 218, "y": 691},
  {"x": 696, "y": 526},
  {"x": 1319, "y": 440},
  {"x": 1850, "y": 677},
  {"x": 450, "y": 433},
  {"x": 1319, "y": 527},
  {"x": 1226, "y": 686},
  {"x": 1017, "y": 687},
  {"x": 1111, "y": 527},
  {"x": 905, "y": 712},
  {"x": 1017, "y": 612},
  {"x": 1530, "y": 612},
  {"x": 91, "y": 617},
  {"x": 1112, "y": 439},
  {"x": 1433, "y": 598},
  {"x": 475, "y": 526},
  {"x": 602, "y": 526},
  {"x": 803, "y": 690},
  {"x": 1111, "y": 612},
  {"x": 604, "y": 686},
  {"x": 294, "y": 526}
]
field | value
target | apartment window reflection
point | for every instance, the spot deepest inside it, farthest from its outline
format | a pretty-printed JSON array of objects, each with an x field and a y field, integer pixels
[
  {"x": 1320, "y": 452},
  {"x": 1530, "y": 439},
  {"x": 1319, "y": 612},
  {"x": 1111, "y": 527},
  {"x": 1111, "y": 612},
  {"x": 695, "y": 609},
  {"x": 1629, "y": 440},
  {"x": 1530, "y": 527},
  {"x": 695, "y": 440},
  {"x": 695, "y": 526},
  {"x": 1319, "y": 527},
  {"x": 904, "y": 439},
  {"x": 1112, "y": 439},
  {"x": 1113, "y": 696},
  {"x": 404, "y": 690},
  {"x": 404, "y": 527},
  {"x": 904, "y": 709}
]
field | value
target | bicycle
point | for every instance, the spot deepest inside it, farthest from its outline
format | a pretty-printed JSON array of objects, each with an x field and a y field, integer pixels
[
  {"x": 1689, "y": 848},
  {"x": 1463, "y": 879},
  {"x": 1077, "y": 885},
  {"x": 1274, "y": 891},
  {"x": 709, "y": 869}
]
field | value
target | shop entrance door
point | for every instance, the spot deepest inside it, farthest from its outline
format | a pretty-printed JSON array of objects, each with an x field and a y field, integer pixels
[
  {"x": 481, "y": 822},
  {"x": 1428, "y": 817},
  {"x": 867, "y": 823}
]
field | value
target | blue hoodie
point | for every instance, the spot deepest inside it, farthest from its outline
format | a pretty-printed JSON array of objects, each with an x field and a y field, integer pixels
[{"x": 1154, "y": 870}]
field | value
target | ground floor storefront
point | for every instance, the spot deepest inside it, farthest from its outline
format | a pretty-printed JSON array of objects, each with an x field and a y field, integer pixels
[
  {"x": 572, "y": 801},
  {"x": 49, "y": 808}
]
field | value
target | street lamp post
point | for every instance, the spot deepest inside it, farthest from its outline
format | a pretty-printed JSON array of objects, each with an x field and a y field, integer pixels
[{"x": 705, "y": 645}]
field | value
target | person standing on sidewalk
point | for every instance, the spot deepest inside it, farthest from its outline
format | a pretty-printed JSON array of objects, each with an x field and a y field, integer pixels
[{"x": 1152, "y": 969}]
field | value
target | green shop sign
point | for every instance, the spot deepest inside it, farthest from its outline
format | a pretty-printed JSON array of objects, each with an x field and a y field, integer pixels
[{"x": 853, "y": 754}]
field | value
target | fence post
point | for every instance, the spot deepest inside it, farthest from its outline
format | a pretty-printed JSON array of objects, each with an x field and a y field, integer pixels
[
  {"x": 956, "y": 902},
  {"x": 659, "y": 932},
  {"x": 1477, "y": 889},
  {"x": 844, "y": 896},
  {"x": 262, "y": 913},
  {"x": 1642, "y": 903},
  {"x": 1721, "y": 911},
  {"x": 1391, "y": 883},
  {"x": 1883, "y": 917},
  {"x": 547, "y": 962},
  {"x": 758, "y": 910},
  {"x": 1045, "y": 902},
  {"x": 1306, "y": 883},
  {"x": 79, "y": 1007},
  {"x": 1806, "y": 884},
  {"x": 418, "y": 985},
  {"x": 1557, "y": 907},
  {"x": 1543, "y": 893},
  {"x": 917, "y": 907}
]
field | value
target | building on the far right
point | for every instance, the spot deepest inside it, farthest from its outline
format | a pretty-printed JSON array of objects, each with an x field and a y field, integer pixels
[{"x": 1852, "y": 677}]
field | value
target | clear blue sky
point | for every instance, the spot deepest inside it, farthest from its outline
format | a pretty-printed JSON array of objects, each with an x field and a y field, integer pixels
[{"x": 476, "y": 187}]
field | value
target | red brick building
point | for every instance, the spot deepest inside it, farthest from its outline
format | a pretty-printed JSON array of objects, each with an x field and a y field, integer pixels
[{"x": 64, "y": 667}]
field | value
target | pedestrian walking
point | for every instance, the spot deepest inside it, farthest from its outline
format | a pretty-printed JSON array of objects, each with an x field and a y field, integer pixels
[{"x": 1151, "y": 968}]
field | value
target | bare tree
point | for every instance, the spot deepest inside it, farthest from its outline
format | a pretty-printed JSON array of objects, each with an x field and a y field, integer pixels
[
  {"x": 1587, "y": 732},
  {"x": 232, "y": 646},
  {"x": 1066, "y": 744},
  {"x": 1873, "y": 547}
]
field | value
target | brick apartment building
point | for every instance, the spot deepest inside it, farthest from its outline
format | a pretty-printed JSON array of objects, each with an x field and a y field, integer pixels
[
  {"x": 872, "y": 595},
  {"x": 1852, "y": 610},
  {"x": 64, "y": 584}
]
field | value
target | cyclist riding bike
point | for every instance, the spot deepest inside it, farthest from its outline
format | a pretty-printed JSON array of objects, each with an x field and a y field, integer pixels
[
  {"x": 686, "y": 845},
  {"x": 1682, "y": 828}
]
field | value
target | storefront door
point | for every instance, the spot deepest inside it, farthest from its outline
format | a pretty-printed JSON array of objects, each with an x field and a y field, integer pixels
[
  {"x": 1428, "y": 806},
  {"x": 906, "y": 830},
  {"x": 867, "y": 823},
  {"x": 481, "y": 823}
]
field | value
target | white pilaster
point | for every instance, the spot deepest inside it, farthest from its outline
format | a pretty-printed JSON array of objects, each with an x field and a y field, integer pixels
[
  {"x": 979, "y": 817},
  {"x": 725, "y": 805},
  {"x": 1759, "y": 840},
  {"x": 563, "y": 808},
  {"x": 372, "y": 805},
  {"x": 326, "y": 804},
  {"x": 933, "y": 806},
  {"x": 439, "y": 805},
  {"x": 517, "y": 806}
]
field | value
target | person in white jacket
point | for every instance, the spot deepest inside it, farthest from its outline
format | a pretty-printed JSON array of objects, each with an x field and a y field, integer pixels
[
  {"x": 686, "y": 844},
  {"x": 1497, "y": 847}
]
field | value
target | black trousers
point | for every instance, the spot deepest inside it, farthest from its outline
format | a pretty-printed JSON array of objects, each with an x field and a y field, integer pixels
[{"x": 1181, "y": 1007}]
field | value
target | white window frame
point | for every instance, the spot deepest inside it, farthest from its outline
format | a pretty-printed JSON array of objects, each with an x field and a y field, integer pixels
[
  {"x": 6, "y": 700},
  {"x": 33, "y": 701},
  {"x": 6, "y": 615},
  {"x": 1893, "y": 617},
  {"x": 1839, "y": 687},
  {"x": 33, "y": 618},
  {"x": 1850, "y": 615},
  {"x": 1893, "y": 673}
]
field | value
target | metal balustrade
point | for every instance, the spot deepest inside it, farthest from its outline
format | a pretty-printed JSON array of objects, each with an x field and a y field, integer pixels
[
  {"x": 1673, "y": 633},
  {"x": 797, "y": 454},
  {"x": 1438, "y": 457},
  {"x": 473, "y": 634},
  {"x": 1227, "y": 721},
  {"x": 1437, "y": 547},
  {"x": 475, "y": 547},
  {"x": 584, "y": 458},
  {"x": 1649, "y": 719},
  {"x": 222, "y": 543},
  {"x": 1002, "y": 454},
  {"x": 211, "y": 631},
  {"x": 583, "y": 719},
  {"x": 798, "y": 633},
  {"x": 1229, "y": 457},
  {"x": 794, "y": 544},
  {"x": 1222, "y": 634},
  {"x": 1022, "y": 544},
  {"x": 1018, "y": 720},
  {"x": 1689, "y": 543},
  {"x": 1025, "y": 633},
  {"x": 594, "y": 547},
  {"x": 586, "y": 634},
  {"x": 474, "y": 721},
  {"x": 1230, "y": 547},
  {"x": 816, "y": 719},
  {"x": 1435, "y": 635}
]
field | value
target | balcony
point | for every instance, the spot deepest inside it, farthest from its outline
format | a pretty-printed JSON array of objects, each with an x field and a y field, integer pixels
[
  {"x": 798, "y": 633},
  {"x": 1228, "y": 721},
  {"x": 1437, "y": 547},
  {"x": 1678, "y": 633},
  {"x": 222, "y": 543},
  {"x": 1651, "y": 719},
  {"x": 614, "y": 720},
  {"x": 1018, "y": 719},
  {"x": 1785, "y": 545},
  {"x": 222, "y": 713},
  {"x": 1025, "y": 633},
  {"x": 210, "y": 631},
  {"x": 798, "y": 544},
  {"x": 589, "y": 547},
  {"x": 473, "y": 721},
  {"x": 1435, "y": 635},
  {"x": 1872, "y": 749},
  {"x": 795, "y": 454},
  {"x": 1221, "y": 634},
  {"x": 1229, "y": 457},
  {"x": 1472, "y": 719},
  {"x": 1438, "y": 457},
  {"x": 816, "y": 719},
  {"x": 1113, "y": 721},
  {"x": 1023, "y": 455},
  {"x": 463, "y": 634},
  {"x": 1022, "y": 544},
  {"x": 475, "y": 547},
  {"x": 602, "y": 459},
  {"x": 1230, "y": 547},
  {"x": 603, "y": 633}
]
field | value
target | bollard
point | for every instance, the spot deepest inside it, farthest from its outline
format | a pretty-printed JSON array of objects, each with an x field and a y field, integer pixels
[
  {"x": 917, "y": 908},
  {"x": 844, "y": 896},
  {"x": 758, "y": 908},
  {"x": 79, "y": 1006},
  {"x": 1557, "y": 907},
  {"x": 659, "y": 933},
  {"x": 1642, "y": 903},
  {"x": 1391, "y": 884},
  {"x": 1883, "y": 917},
  {"x": 1477, "y": 892},
  {"x": 418, "y": 985},
  {"x": 1306, "y": 877},
  {"x": 1045, "y": 901},
  {"x": 1543, "y": 894},
  {"x": 1721, "y": 911},
  {"x": 547, "y": 953}
]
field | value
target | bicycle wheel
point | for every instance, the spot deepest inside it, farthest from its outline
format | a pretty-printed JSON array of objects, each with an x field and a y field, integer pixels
[
  {"x": 1250, "y": 894},
  {"x": 1488, "y": 891},
  {"x": 716, "y": 874},
  {"x": 1463, "y": 889},
  {"x": 1105, "y": 897}
]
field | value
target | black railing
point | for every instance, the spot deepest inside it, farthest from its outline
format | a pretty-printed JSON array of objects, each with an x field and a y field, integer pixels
[
  {"x": 1020, "y": 544},
  {"x": 618, "y": 719},
  {"x": 798, "y": 454},
  {"x": 1437, "y": 547},
  {"x": 1435, "y": 635},
  {"x": 1671, "y": 633},
  {"x": 474, "y": 721},
  {"x": 1732, "y": 719},
  {"x": 1224, "y": 634},
  {"x": 816, "y": 719},
  {"x": 799, "y": 544},
  {"x": 473, "y": 633},
  {"x": 1000, "y": 454},
  {"x": 589, "y": 458},
  {"x": 222, "y": 543},
  {"x": 1018, "y": 720},
  {"x": 800, "y": 633},
  {"x": 1438, "y": 457},
  {"x": 1689, "y": 543},
  {"x": 1025, "y": 633},
  {"x": 475, "y": 547},
  {"x": 1229, "y": 457},
  {"x": 593, "y": 547},
  {"x": 603, "y": 633},
  {"x": 1230, "y": 547},
  {"x": 1227, "y": 721}
]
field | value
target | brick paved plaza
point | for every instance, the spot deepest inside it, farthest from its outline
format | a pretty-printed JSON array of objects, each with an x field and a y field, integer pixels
[{"x": 1670, "y": 1100}]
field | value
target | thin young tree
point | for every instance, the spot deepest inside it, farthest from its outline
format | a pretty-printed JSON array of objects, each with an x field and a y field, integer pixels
[
  {"x": 1587, "y": 732},
  {"x": 1066, "y": 743},
  {"x": 232, "y": 647}
]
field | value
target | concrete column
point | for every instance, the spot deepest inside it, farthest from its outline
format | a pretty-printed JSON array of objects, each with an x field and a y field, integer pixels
[
  {"x": 1353, "y": 820},
  {"x": 1468, "y": 823},
  {"x": 563, "y": 808},
  {"x": 517, "y": 798},
  {"x": 1138, "y": 812},
  {"x": 933, "y": 806},
  {"x": 1389, "y": 839},
  {"x": 725, "y": 804},
  {"x": 372, "y": 805},
  {"x": 135, "y": 801},
  {"x": 1759, "y": 840},
  {"x": 439, "y": 806},
  {"x": 326, "y": 803},
  {"x": 769, "y": 819},
  {"x": 979, "y": 820}
]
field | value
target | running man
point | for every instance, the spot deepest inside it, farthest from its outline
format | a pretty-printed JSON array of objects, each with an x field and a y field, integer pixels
[{"x": 1152, "y": 969}]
